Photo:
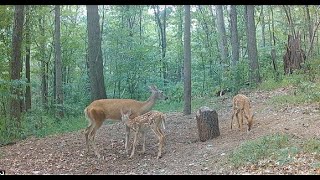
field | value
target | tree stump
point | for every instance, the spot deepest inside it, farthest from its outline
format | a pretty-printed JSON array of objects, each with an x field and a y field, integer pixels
[
  {"x": 294, "y": 55},
  {"x": 207, "y": 123}
]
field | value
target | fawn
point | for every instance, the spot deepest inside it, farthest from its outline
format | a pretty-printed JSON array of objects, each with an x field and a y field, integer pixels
[
  {"x": 153, "y": 120},
  {"x": 241, "y": 109}
]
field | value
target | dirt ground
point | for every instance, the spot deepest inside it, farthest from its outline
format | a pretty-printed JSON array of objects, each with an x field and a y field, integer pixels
[{"x": 183, "y": 152}]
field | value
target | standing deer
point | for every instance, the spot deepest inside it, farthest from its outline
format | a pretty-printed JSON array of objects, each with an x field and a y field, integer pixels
[
  {"x": 100, "y": 110},
  {"x": 153, "y": 120},
  {"x": 242, "y": 109}
]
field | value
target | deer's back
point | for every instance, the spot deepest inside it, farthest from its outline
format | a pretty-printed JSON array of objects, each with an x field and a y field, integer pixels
[
  {"x": 241, "y": 101},
  {"x": 111, "y": 108},
  {"x": 147, "y": 119}
]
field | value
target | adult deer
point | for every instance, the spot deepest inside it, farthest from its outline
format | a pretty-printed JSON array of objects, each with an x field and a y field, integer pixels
[
  {"x": 242, "y": 109},
  {"x": 100, "y": 110}
]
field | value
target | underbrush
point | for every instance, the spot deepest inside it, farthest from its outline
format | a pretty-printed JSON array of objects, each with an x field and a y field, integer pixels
[
  {"x": 39, "y": 125},
  {"x": 304, "y": 85},
  {"x": 280, "y": 148}
]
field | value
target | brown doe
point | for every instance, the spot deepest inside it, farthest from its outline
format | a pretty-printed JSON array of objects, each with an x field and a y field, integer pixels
[
  {"x": 100, "y": 110},
  {"x": 153, "y": 120},
  {"x": 242, "y": 109}
]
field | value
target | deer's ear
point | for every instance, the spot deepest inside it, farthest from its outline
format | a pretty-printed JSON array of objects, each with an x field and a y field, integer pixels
[
  {"x": 121, "y": 111},
  {"x": 152, "y": 88}
]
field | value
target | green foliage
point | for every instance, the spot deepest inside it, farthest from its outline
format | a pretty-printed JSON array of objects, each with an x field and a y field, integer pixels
[
  {"x": 41, "y": 124},
  {"x": 9, "y": 131},
  {"x": 275, "y": 146},
  {"x": 175, "y": 92},
  {"x": 303, "y": 85},
  {"x": 38, "y": 124},
  {"x": 169, "y": 106},
  {"x": 312, "y": 146},
  {"x": 283, "y": 100},
  {"x": 305, "y": 92}
]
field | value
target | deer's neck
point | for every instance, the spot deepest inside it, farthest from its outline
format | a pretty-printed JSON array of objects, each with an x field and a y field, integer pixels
[{"x": 148, "y": 104}]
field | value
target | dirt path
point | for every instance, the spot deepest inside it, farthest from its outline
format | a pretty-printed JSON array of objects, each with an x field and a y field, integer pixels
[{"x": 184, "y": 153}]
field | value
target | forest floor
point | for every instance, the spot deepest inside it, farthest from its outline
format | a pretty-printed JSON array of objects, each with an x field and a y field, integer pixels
[{"x": 183, "y": 152}]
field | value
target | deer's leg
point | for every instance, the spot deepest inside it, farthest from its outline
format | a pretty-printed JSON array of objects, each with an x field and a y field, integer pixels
[
  {"x": 87, "y": 132},
  {"x": 238, "y": 116},
  {"x": 97, "y": 125},
  {"x": 127, "y": 139},
  {"x": 246, "y": 115},
  {"x": 241, "y": 120},
  {"x": 232, "y": 117},
  {"x": 134, "y": 142},
  {"x": 163, "y": 135},
  {"x": 160, "y": 136},
  {"x": 144, "y": 142}
]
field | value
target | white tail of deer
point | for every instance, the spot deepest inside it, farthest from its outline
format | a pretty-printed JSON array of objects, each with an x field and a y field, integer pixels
[
  {"x": 242, "y": 109},
  {"x": 153, "y": 120},
  {"x": 100, "y": 110}
]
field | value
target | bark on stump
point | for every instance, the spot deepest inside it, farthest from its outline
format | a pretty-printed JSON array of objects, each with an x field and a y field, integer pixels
[
  {"x": 207, "y": 123},
  {"x": 294, "y": 55}
]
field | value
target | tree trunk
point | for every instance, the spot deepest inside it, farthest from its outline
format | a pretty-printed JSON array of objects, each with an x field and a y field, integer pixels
[
  {"x": 16, "y": 64},
  {"x": 289, "y": 18},
  {"x": 163, "y": 41},
  {"x": 263, "y": 24},
  {"x": 234, "y": 44},
  {"x": 273, "y": 44},
  {"x": 95, "y": 54},
  {"x": 28, "y": 44},
  {"x": 309, "y": 22},
  {"x": 180, "y": 40},
  {"x": 207, "y": 123},
  {"x": 274, "y": 64},
  {"x": 222, "y": 35},
  {"x": 254, "y": 75},
  {"x": 43, "y": 61},
  {"x": 59, "y": 100},
  {"x": 312, "y": 40},
  {"x": 187, "y": 62}
]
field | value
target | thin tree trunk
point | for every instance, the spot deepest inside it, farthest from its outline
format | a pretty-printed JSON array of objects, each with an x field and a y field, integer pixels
[
  {"x": 290, "y": 21},
  {"x": 312, "y": 40},
  {"x": 254, "y": 74},
  {"x": 309, "y": 22},
  {"x": 28, "y": 39},
  {"x": 234, "y": 35},
  {"x": 206, "y": 29},
  {"x": 16, "y": 64},
  {"x": 263, "y": 24},
  {"x": 187, "y": 62},
  {"x": 234, "y": 44},
  {"x": 140, "y": 24},
  {"x": 180, "y": 40},
  {"x": 163, "y": 43},
  {"x": 58, "y": 63},
  {"x": 44, "y": 75},
  {"x": 222, "y": 34},
  {"x": 95, "y": 54},
  {"x": 273, "y": 44}
]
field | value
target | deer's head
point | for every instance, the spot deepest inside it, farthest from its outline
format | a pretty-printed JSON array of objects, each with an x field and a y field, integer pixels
[{"x": 158, "y": 93}]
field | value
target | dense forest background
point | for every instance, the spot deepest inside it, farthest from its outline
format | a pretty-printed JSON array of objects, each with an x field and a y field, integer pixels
[{"x": 55, "y": 60}]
